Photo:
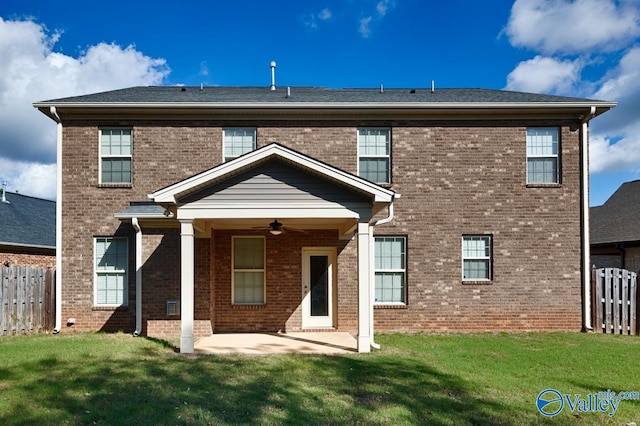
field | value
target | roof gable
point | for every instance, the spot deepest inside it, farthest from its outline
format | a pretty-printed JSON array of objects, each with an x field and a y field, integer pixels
[{"x": 185, "y": 189}]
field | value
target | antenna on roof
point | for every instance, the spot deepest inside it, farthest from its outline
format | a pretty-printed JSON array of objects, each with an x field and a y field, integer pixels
[
  {"x": 272, "y": 64},
  {"x": 4, "y": 190}
]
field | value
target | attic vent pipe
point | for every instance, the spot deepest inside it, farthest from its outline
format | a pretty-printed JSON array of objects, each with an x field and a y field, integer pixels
[
  {"x": 273, "y": 75},
  {"x": 433, "y": 86},
  {"x": 4, "y": 190},
  {"x": 381, "y": 88}
]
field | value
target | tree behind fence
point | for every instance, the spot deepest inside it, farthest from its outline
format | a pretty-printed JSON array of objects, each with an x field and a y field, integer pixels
[
  {"x": 615, "y": 300},
  {"x": 26, "y": 300}
]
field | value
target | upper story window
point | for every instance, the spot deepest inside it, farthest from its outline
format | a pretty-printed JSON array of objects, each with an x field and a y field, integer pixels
[
  {"x": 476, "y": 258},
  {"x": 374, "y": 154},
  {"x": 111, "y": 262},
  {"x": 542, "y": 155},
  {"x": 248, "y": 270},
  {"x": 238, "y": 141},
  {"x": 390, "y": 269},
  {"x": 116, "y": 155}
]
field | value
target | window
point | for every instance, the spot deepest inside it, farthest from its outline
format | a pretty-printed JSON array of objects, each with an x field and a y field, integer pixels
[
  {"x": 111, "y": 271},
  {"x": 238, "y": 142},
  {"x": 374, "y": 154},
  {"x": 476, "y": 257},
  {"x": 248, "y": 270},
  {"x": 542, "y": 155},
  {"x": 390, "y": 269},
  {"x": 115, "y": 155}
]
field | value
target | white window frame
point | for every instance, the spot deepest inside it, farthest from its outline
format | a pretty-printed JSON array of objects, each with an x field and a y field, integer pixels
[
  {"x": 403, "y": 270},
  {"x": 110, "y": 156},
  {"x": 555, "y": 156},
  {"x": 489, "y": 258},
  {"x": 386, "y": 156},
  {"x": 123, "y": 272},
  {"x": 225, "y": 156},
  {"x": 234, "y": 270}
]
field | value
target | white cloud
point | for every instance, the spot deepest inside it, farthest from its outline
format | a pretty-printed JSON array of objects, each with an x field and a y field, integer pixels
[
  {"x": 545, "y": 75},
  {"x": 32, "y": 71},
  {"x": 384, "y": 6},
  {"x": 615, "y": 142},
  {"x": 565, "y": 26},
  {"x": 311, "y": 20},
  {"x": 324, "y": 14},
  {"x": 622, "y": 156},
  {"x": 365, "y": 29},
  {"x": 35, "y": 179}
]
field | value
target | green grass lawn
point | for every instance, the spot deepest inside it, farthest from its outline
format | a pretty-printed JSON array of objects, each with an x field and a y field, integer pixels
[{"x": 80, "y": 378}]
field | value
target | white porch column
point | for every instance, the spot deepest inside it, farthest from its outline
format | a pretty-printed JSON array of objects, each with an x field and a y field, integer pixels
[
  {"x": 187, "y": 240},
  {"x": 364, "y": 288}
]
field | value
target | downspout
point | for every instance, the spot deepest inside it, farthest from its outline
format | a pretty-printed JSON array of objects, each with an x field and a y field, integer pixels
[
  {"x": 372, "y": 278},
  {"x": 586, "y": 244},
  {"x": 58, "y": 284},
  {"x": 138, "y": 229}
]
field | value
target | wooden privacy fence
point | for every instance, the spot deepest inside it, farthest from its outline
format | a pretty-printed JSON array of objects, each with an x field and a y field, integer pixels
[
  {"x": 26, "y": 300},
  {"x": 615, "y": 300}
]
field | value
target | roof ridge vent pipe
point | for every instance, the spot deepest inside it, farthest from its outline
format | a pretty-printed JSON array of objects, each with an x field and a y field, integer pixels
[
  {"x": 381, "y": 88},
  {"x": 272, "y": 64},
  {"x": 4, "y": 191},
  {"x": 288, "y": 91},
  {"x": 433, "y": 86}
]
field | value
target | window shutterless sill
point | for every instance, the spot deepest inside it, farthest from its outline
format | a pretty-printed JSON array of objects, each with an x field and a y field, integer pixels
[
  {"x": 544, "y": 185},
  {"x": 115, "y": 185},
  {"x": 390, "y": 306},
  {"x": 110, "y": 308},
  {"x": 249, "y": 307},
  {"x": 477, "y": 282}
]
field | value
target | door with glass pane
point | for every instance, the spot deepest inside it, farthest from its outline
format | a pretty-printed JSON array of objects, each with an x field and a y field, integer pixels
[{"x": 318, "y": 281}]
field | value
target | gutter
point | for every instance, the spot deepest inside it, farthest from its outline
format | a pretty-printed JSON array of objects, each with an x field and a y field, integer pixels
[
  {"x": 586, "y": 244},
  {"x": 138, "y": 229},
  {"x": 58, "y": 284},
  {"x": 372, "y": 278}
]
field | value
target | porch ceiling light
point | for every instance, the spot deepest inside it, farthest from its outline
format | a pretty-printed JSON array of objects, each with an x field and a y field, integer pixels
[{"x": 276, "y": 227}]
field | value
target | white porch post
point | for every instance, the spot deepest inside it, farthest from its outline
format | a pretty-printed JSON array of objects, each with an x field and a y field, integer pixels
[
  {"x": 364, "y": 288},
  {"x": 187, "y": 240}
]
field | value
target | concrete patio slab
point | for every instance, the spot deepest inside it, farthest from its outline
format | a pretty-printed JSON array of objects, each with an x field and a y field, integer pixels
[{"x": 277, "y": 343}]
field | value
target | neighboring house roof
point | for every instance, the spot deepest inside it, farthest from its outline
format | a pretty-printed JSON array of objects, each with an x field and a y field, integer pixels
[
  {"x": 618, "y": 219},
  {"x": 295, "y": 99},
  {"x": 27, "y": 222}
]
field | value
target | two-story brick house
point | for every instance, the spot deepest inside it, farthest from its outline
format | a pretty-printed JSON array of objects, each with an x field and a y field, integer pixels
[{"x": 186, "y": 211}]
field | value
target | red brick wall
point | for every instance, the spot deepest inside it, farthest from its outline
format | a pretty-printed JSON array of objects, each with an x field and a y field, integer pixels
[
  {"x": 462, "y": 178},
  {"x": 282, "y": 310},
  {"x": 16, "y": 258}
]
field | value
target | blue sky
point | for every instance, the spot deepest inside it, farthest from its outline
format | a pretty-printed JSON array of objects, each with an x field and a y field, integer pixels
[{"x": 585, "y": 48}]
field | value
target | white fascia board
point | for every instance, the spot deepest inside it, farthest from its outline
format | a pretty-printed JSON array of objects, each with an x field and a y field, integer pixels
[{"x": 171, "y": 193}]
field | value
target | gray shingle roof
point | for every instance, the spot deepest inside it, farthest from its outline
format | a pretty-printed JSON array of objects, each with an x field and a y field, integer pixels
[
  {"x": 178, "y": 94},
  {"x": 618, "y": 219},
  {"x": 27, "y": 221},
  {"x": 142, "y": 209}
]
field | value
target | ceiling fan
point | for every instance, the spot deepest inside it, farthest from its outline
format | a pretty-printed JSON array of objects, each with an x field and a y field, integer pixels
[{"x": 277, "y": 228}]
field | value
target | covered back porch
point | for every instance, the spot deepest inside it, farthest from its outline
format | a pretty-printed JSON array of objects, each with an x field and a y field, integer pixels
[{"x": 289, "y": 245}]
